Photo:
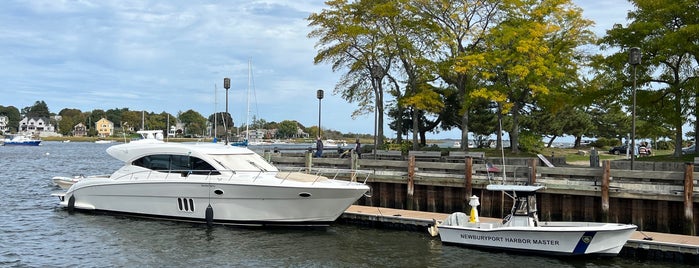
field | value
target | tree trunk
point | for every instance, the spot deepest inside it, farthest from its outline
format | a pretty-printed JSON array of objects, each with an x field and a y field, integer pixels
[
  {"x": 415, "y": 130},
  {"x": 399, "y": 126},
  {"x": 464, "y": 131},
  {"x": 514, "y": 135}
]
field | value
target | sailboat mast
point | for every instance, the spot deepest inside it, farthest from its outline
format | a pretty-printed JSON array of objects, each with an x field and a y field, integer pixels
[
  {"x": 215, "y": 111},
  {"x": 247, "y": 115}
]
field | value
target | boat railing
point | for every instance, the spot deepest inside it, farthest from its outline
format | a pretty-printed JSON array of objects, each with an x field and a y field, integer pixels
[
  {"x": 168, "y": 174},
  {"x": 331, "y": 173},
  {"x": 319, "y": 174}
]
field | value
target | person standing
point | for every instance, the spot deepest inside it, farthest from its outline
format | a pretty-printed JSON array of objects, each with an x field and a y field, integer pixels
[
  {"x": 319, "y": 147},
  {"x": 358, "y": 148}
]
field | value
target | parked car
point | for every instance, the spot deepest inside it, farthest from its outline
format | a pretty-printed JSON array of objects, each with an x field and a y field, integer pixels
[
  {"x": 689, "y": 150},
  {"x": 618, "y": 150}
]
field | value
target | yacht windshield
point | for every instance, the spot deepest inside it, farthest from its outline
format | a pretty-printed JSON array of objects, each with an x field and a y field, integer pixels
[{"x": 244, "y": 162}]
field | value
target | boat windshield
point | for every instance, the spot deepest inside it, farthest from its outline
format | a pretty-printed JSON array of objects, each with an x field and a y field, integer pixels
[{"x": 244, "y": 162}]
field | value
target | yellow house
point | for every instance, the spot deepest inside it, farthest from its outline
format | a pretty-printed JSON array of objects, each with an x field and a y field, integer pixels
[{"x": 104, "y": 127}]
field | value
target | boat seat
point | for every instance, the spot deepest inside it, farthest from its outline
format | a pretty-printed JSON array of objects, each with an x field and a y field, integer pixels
[{"x": 456, "y": 219}]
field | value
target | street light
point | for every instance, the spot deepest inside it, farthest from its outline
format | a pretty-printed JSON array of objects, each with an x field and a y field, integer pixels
[
  {"x": 319, "y": 95},
  {"x": 634, "y": 60},
  {"x": 226, "y": 85}
]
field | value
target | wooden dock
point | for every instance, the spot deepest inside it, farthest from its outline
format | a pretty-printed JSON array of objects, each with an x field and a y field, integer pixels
[{"x": 641, "y": 245}]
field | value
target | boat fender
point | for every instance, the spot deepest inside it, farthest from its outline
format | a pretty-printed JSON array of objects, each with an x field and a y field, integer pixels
[
  {"x": 433, "y": 229},
  {"x": 209, "y": 216},
  {"x": 71, "y": 203}
]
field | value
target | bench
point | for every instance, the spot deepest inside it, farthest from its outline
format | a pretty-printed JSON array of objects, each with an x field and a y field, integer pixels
[
  {"x": 388, "y": 155},
  {"x": 459, "y": 156},
  {"x": 426, "y": 155}
]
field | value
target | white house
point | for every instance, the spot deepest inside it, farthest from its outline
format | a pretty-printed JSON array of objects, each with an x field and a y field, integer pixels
[
  {"x": 4, "y": 120},
  {"x": 36, "y": 126}
]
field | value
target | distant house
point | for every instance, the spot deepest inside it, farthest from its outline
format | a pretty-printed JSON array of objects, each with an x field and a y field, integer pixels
[
  {"x": 35, "y": 126},
  {"x": 80, "y": 130},
  {"x": 4, "y": 120},
  {"x": 104, "y": 127},
  {"x": 301, "y": 134}
]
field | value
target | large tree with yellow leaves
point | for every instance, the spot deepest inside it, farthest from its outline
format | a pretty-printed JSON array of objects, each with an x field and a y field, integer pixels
[{"x": 530, "y": 58}]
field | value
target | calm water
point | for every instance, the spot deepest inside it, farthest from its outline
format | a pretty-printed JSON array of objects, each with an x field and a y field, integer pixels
[{"x": 34, "y": 232}]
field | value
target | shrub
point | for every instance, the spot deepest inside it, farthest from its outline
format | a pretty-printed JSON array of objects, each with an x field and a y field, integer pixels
[{"x": 528, "y": 142}]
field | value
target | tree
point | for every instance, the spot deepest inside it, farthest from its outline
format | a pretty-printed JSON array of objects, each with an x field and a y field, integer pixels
[
  {"x": 354, "y": 36},
  {"x": 287, "y": 129},
  {"x": 461, "y": 29},
  {"x": 130, "y": 120},
  {"x": 666, "y": 31},
  {"x": 115, "y": 115},
  {"x": 39, "y": 109},
  {"x": 160, "y": 121},
  {"x": 193, "y": 121},
  {"x": 13, "y": 117},
  {"x": 69, "y": 118},
  {"x": 223, "y": 122},
  {"x": 529, "y": 55}
]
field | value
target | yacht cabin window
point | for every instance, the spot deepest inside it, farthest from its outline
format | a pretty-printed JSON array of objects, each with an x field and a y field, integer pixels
[{"x": 176, "y": 163}]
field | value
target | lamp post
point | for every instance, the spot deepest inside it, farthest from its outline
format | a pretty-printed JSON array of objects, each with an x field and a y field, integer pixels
[
  {"x": 319, "y": 95},
  {"x": 634, "y": 60},
  {"x": 226, "y": 85}
]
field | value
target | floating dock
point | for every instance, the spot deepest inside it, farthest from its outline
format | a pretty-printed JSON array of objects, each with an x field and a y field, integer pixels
[{"x": 641, "y": 246}]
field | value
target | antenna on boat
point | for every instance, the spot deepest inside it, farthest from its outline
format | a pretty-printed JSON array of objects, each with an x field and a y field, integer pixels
[
  {"x": 167, "y": 129},
  {"x": 215, "y": 113},
  {"x": 502, "y": 151}
]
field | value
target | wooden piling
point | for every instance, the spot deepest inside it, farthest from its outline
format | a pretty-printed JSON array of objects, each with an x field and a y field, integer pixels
[
  {"x": 605, "y": 190},
  {"x": 354, "y": 165},
  {"x": 468, "y": 183},
  {"x": 689, "y": 228},
  {"x": 411, "y": 183},
  {"x": 309, "y": 161},
  {"x": 532, "y": 170}
]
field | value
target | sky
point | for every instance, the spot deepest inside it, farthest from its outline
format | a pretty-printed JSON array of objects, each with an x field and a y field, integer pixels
[{"x": 172, "y": 56}]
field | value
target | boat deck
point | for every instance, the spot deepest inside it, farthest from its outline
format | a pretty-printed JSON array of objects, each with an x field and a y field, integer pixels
[{"x": 662, "y": 246}]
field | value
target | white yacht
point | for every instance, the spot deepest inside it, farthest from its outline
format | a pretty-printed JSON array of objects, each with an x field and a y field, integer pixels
[{"x": 211, "y": 183}]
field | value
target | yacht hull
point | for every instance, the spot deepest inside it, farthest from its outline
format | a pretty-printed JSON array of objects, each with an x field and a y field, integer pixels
[{"x": 226, "y": 203}]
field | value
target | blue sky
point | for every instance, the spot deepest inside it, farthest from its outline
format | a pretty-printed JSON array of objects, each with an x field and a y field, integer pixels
[{"x": 170, "y": 55}]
